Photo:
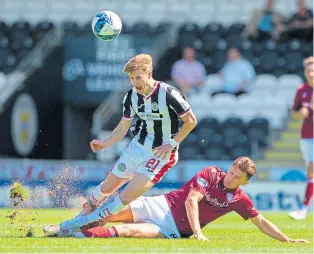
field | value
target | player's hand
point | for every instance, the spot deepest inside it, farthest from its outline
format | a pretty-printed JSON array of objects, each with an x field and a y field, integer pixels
[
  {"x": 305, "y": 112},
  {"x": 298, "y": 241},
  {"x": 163, "y": 151},
  {"x": 97, "y": 145},
  {"x": 200, "y": 237}
]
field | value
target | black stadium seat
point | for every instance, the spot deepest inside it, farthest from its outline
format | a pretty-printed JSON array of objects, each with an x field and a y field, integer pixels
[
  {"x": 293, "y": 61},
  {"x": 232, "y": 128},
  {"x": 71, "y": 28},
  {"x": 163, "y": 27},
  {"x": 258, "y": 131},
  {"x": 191, "y": 152},
  {"x": 141, "y": 29},
  {"x": 3, "y": 29},
  {"x": 213, "y": 28},
  {"x": 241, "y": 147},
  {"x": 42, "y": 28}
]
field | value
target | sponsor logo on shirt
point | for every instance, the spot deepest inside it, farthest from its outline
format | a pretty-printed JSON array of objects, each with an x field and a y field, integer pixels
[
  {"x": 202, "y": 182},
  {"x": 150, "y": 116},
  {"x": 215, "y": 202}
]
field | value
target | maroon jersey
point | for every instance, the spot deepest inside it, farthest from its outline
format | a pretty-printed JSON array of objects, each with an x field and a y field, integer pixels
[
  {"x": 303, "y": 98},
  {"x": 217, "y": 200}
]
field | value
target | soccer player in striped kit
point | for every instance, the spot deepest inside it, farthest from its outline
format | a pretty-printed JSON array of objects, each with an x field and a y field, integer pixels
[
  {"x": 153, "y": 150},
  {"x": 303, "y": 108}
]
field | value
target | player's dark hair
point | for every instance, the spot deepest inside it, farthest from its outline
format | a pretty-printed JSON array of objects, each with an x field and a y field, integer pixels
[{"x": 245, "y": 164}]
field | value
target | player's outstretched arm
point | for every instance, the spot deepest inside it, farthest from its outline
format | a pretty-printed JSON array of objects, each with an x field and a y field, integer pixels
[
  {"x": 117, "y": 134},
  {"x": 272, "y": 230},
  {"x": 191, "y": 206}
]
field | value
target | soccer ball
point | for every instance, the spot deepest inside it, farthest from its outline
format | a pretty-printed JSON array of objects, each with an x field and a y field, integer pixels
[{"x": 106, "y": 25}]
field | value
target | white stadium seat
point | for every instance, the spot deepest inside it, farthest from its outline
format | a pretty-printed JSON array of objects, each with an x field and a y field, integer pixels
[
  {"x": 290, "y": 81},
  {"x": 213, "y": 83},
  {"x": 223, "y": 100},
  {"x": 266, "y": 82}
]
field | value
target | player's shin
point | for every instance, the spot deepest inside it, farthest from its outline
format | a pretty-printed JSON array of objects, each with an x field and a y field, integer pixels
[
  {"x": 97, "y": 196},
  {"x": 113, "y": 205}
]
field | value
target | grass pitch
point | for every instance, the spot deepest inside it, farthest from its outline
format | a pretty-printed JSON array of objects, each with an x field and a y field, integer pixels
[{"x": 229, "y": 234}]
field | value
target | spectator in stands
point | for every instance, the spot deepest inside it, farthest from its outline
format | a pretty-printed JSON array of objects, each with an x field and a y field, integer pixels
[
  {"x": 188, "y": 73},
  {"x": 236, "y": 75},
  {"x": 264, "y": 23},
  {"x": 300, "y": 25}
]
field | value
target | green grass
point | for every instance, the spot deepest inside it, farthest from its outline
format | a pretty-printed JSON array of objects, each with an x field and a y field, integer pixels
[{"x": 229, "y": 234}]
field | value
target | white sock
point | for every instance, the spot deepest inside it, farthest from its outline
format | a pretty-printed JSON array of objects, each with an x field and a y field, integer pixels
[
  {"x": 111, "y": 206},
  {"x": 97, "y": 196}
]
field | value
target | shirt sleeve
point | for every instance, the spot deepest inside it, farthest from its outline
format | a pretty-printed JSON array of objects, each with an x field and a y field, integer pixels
[
  {"x": 297, "y": 101},
  {"x": 202, "y": 180},
  {"x": 246, "y": 208},
  {"x": 177, "y": 102},
  {"x": 128, "y": 112}
]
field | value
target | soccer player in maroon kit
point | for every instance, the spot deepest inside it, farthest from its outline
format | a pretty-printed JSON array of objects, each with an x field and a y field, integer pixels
[
  {"x": 210, "y": 194},
  {"x": 303, "y": 108}
]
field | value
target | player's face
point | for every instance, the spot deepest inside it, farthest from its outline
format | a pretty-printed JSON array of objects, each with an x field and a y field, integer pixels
[
  {"x": 234, "y": 178},
  {"x": 309, "y": 74},
  {"x": 139, "y": 81}
]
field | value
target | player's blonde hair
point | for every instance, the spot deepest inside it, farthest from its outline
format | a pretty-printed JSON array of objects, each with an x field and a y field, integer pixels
[
  {"x": 142, "y": 62},
  {"x": 308, "y": 61},
  {"x": 245, "y": 164}
]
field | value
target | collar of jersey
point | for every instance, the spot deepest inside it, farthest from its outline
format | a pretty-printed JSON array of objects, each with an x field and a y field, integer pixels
[
  {"x": 157, "y": 84},
  {"x": 221, "y": 185}
]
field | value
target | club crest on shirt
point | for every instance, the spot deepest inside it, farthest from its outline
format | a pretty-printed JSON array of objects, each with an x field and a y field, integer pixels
[
  {"x": 154, "y": 106},
  {"x": 202, "y": 182},
  {"x": 229, "y": 197}
]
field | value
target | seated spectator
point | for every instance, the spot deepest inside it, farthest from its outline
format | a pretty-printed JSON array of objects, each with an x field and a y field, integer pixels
[
  {"x": 264, "y": 23},
  {"x": 188, "y": 73},
  {"x": 300, "y": 25},
  {"x": 236, "y": 75}
]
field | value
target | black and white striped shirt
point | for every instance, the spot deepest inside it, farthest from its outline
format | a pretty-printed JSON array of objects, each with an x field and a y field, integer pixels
[{"x": 158, "y": 113}]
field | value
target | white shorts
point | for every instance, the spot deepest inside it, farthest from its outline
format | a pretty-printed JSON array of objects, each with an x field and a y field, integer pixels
[
  {"x": 156, "y": 212},
  {"x": 306, "y": 146},
  {"x": 137, "y": 158}
]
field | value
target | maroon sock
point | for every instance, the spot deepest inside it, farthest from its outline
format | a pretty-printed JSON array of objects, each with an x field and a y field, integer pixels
[
  {"x": 101, "y": 232},
  {"x": 308, "y": 192}
]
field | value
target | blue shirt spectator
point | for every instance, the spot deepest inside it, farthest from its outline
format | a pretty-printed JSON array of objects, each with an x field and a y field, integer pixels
[{"x": 236, "y": 75}]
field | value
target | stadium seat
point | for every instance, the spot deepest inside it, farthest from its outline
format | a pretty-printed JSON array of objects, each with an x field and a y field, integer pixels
[
  {"x": 141, "y": 29},
  {"x": 215, "y": 150},
  {"x": 70, "y": 28},
  {"x": 223, "y": 100},
  {"x": 213, "y": 82},
  {"x": 266, "y": 82},
  {"x": 290, "y": 81},
  {"x": 192, "y": 152},
  {"x": 268, "y": 61},
  {"x": 43, "y": 27},
  {"x": 232, "y": 128},
  {"x": 276, "y": 118},
  {"x": 258, "y": 130},
  {"x": 3, "y": 29},
  {"x": 163, "y": 27},
  {"x": 240, "y": 147},
  {"x": 293, "y": 61},
  {"x": 213, "y": 28}
]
